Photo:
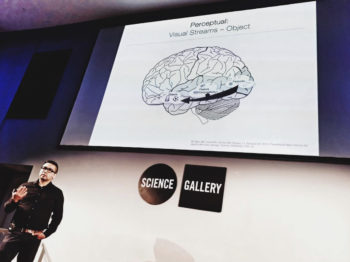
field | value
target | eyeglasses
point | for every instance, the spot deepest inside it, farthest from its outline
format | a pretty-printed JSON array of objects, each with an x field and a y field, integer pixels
[{"x": 50, "y": 170}]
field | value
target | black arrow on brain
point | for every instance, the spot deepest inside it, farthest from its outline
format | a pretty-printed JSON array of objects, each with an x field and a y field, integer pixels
[{"x": 210, "y": 97}]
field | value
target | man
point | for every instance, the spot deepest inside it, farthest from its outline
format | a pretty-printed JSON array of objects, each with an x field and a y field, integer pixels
[{"x": 34, "y": 204}]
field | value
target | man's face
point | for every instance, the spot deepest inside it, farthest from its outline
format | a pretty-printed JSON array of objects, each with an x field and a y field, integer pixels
[{"x": 47, "y": 172}]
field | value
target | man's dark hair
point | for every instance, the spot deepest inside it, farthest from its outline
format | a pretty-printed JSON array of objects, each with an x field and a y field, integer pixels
[{"x": 52, "y": 162}]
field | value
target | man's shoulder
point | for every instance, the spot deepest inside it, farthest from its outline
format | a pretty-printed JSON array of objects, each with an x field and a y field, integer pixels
[{"x": 56, "y": 189}]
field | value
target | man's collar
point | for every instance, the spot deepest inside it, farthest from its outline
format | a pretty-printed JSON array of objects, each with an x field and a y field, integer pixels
[{"x": 37, "y": 183}]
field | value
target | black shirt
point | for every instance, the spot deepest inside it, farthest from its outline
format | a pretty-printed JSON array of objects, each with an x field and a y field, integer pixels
[{"x": 35, "y": 209}]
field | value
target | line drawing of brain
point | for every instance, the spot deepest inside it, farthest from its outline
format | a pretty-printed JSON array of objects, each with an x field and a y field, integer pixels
[{"x": 209, "y": 81}]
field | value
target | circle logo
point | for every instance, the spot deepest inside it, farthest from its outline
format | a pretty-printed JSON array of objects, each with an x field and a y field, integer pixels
[{"x": 157, "y": 184}]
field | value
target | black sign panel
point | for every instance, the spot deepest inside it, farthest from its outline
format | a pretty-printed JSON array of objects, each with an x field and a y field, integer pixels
[
  {"x": 157, "y": 184},
  {"x": 203, "y": 187},
  {"x": 39, "y": 85}
]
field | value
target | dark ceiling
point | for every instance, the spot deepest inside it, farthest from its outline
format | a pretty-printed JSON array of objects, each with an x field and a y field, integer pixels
[{"x": 18, "y": 15}]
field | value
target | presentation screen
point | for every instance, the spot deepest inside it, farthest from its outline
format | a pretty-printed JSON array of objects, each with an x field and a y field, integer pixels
[{"x": 242, "y": 81}]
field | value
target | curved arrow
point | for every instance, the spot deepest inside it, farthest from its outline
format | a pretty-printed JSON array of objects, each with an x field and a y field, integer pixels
[{"x": 210, "y": 97}]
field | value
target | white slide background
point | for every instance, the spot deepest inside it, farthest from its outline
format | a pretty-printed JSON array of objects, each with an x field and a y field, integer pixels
[{"x": 280, "y": 115}]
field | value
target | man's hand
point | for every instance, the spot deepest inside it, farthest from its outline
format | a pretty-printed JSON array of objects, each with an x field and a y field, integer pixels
[
  {"x": 39, "y": 235},
  {"x": 18, "y": 194}
]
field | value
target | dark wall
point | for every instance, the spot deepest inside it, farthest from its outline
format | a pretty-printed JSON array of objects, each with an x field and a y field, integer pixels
[
  {"x": 334, "y": 75},
  {"x": 20, "y": 137}
]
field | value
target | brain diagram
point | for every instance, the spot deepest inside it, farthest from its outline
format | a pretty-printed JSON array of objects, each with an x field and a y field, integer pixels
[{"x": 209, "y": 81}]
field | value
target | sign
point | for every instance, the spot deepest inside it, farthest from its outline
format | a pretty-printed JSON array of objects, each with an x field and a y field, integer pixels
[
  {"x": 203, "y": 187},
  {"x": 157, "y": 184}
]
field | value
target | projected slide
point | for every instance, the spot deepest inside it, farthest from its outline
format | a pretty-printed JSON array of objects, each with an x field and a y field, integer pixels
[{"x": 242, "y": 81}]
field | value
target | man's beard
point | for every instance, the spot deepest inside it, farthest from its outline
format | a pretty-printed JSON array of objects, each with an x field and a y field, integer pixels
[{"x": 43, "y": 178}]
